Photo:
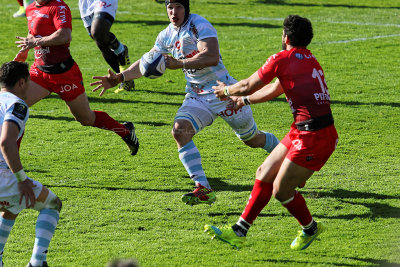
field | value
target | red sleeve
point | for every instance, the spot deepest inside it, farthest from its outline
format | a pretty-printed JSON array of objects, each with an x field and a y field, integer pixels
[
  {"x": 62, "y": 17},
  {"x": 269, "y": 70}
]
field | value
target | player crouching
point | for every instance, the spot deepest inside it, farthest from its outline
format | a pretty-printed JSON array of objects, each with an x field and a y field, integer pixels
[{"x": 17, "y": 191}]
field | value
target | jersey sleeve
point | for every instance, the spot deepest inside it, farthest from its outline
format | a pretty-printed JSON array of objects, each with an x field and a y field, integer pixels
[
  {"x": 159, "y": 44},
  {"x": 62, "y": 17},
  {"x": 203, "y": 29},
  {"x": 17, "y": 113},
  {"x": 269, "y": 70}
]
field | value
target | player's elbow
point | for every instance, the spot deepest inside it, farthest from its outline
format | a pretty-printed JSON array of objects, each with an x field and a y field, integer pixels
[
  {"x": 214, "y": 61},
  {"x": 5, "y": 145}
]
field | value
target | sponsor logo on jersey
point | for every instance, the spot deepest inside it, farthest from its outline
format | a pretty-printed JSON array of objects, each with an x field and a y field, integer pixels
[
  {"x": 63, "y": 17},
  {"x": 39, "y": 52},
  {"x": 40, "y": 15},
  {"x": 20, "y": 111},
  {"x": 299, "y": 56},
  {"x": 297, "y": 144},
  {"x": 193, "y": 29}
]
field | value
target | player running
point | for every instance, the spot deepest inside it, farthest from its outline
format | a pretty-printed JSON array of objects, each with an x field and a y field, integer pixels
[
  {"x": 308, "y": 145},
  {"x": 54, "y": 70},
  {"x": 98, "y": 17},
  {"x": 192, "y": 41},
  {"x": 17, "y": 191}
]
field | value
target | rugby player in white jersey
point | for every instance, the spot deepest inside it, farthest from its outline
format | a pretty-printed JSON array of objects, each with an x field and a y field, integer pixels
[
  {"x": 17, "y": 191},
  {"x": 192, "y": 44},
  {"x": 98, "y": 17}
]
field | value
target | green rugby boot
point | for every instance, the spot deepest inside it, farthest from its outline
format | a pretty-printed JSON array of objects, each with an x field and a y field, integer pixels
[
  {"x": 302, "y": 241},
  {"x": 225, "y": 234}
]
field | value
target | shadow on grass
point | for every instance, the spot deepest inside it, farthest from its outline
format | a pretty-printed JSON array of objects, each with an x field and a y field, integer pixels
[
  {"x": 280, "y": 99},
  {"x": 375, "y": 262},
  {"x": 308, "y": 262},
  {"x": 63, "y": 118}
]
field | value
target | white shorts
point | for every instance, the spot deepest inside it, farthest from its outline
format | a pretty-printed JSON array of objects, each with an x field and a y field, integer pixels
[
  {"x": 9, "y": 194},
  {"x": 202, "y": 110},
  {"x": 87, "y": 9}
]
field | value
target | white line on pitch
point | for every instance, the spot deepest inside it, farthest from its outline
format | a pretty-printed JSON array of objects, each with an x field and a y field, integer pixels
[{"x": 361, "y": 39}]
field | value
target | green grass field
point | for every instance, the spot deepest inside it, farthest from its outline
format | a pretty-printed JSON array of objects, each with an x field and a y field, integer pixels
[{"x": 118, "y": 206}]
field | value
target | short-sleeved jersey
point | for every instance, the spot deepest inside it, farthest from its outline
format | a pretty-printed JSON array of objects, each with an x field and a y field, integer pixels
[
  {"x": 303, "y": 82},
  {"x": 182, "y": 43},
  {"x": 45, "y": 20},
  {"x": 14, "y": 109},
  {"x": 88, "y": 7}
]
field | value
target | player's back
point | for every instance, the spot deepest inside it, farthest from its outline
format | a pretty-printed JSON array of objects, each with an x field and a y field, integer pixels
[{"x": 304, "y": 84}]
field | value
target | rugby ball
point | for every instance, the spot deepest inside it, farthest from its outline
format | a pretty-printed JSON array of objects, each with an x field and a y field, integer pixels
[{"x": 152, "y": 65}]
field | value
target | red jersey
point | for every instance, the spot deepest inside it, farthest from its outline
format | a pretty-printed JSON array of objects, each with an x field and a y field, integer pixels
[
  {"x": 303, "y": 82},
  {"x": 45, "y": 20}
]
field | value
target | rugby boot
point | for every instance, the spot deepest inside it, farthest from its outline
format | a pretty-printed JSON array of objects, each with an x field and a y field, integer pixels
[
  {"x": 225, "y": 234},
  {"x": 44, "y": 264},
  {"x": 20, "y": 13},
  {"x": 302, "y": 241},
  {"x": 131, "y": 140},
  {"x": 200, "y": 195},
  {"x": 124, "y": 63}
]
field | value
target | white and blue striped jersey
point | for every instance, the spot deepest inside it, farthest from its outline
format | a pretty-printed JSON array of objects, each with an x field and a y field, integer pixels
[
  {"x": 12, "y": 108},
  {"x": 182, "y": 43}
]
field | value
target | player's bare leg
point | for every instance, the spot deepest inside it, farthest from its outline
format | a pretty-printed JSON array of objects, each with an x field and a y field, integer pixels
[
  {"x": 114, "y": 52},
  {"x": 35, "y": 93},
  {"x": 80, "y": 109},
  {"x": 265, "y": 140}
]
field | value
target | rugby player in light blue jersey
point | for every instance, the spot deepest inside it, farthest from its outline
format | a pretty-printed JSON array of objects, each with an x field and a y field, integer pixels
[
  {"x": 18, "y": 191},
  {"x": 190, "y": 43}
]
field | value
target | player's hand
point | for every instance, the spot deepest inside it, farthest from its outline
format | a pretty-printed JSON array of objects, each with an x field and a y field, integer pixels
[
  {"x": 172, "y": 63},
  {"x": 106, "y": 82},
  {"x": 25, "y": 189},
  {"x": 21, "y": 56},
  {"x": 238, "y": 100},
  {"x": 26, "y": 43},
  {"x": 219, "y": 91}
]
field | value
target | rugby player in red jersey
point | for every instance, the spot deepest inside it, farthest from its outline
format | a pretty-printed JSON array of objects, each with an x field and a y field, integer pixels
[
  {"x": 54, "y": 70},
  {"x": 305, "y": 149}
]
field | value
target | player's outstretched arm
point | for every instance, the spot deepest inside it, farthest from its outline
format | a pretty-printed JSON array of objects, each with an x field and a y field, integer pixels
[
  {"x": 9, "y": 149},
  {"x": 112, "y": 79}
]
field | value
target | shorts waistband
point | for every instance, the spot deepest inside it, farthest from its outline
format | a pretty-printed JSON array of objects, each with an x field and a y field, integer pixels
[
  {"x": 315, "y": 124},
  {"x": 57, "y": 68}
]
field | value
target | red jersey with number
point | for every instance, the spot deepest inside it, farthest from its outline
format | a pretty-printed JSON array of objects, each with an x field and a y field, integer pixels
[
  {"x": 45, "y": 20},
  {"x": 303, "y": 82}
]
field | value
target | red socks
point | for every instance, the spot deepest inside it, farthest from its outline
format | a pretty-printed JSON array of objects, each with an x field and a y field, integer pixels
[
  {"x": 20, "y": 2},
  {"x": 259, "y": 198},
  {"x": 104, "y": 121},
  {"x": 298, "y": 208}
]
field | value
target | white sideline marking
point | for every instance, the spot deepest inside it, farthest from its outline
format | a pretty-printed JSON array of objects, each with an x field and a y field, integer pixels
[
  {"x": 361, "y": 39},
  {"x": 271, "y": 19}
]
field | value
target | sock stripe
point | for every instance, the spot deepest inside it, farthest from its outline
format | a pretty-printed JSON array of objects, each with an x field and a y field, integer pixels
[
  {"x": 188, "y": 158},
  {"x": 187, "y": 147}
]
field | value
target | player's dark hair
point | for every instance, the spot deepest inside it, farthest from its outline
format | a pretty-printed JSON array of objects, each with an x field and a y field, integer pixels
[
  {"x": 11, "y": 72},
  {"x": 184, "y": 3},
  {"x": 298, "y": 30}
]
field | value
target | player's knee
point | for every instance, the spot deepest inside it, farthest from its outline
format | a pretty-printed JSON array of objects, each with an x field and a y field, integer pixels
[{"x": 102, "y": 38}]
